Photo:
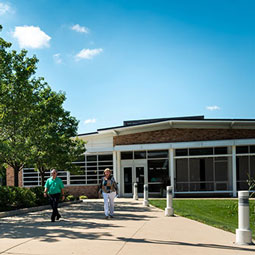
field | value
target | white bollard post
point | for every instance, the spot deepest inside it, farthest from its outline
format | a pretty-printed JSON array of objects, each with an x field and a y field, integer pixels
[
  {"x": 145, "y": 201},
  {"x": 243, "y": 233},
  {"x": 169, "y": 210},
  {"x": 135, "y": 195}
]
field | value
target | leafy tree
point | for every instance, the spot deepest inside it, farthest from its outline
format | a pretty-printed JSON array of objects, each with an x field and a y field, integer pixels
[
  {"x": 34, "y": 127},
  {"x": 18, "y": 93},
  {"x": 51, "y": 141},
  {"x": 2, "y": 176}
]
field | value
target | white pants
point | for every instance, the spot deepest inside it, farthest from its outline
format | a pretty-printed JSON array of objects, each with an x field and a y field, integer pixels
[{"x": 109, "y": 203}]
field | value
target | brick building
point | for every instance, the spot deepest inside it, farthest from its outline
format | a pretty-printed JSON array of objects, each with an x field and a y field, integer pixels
[{"x": 197, "y": 156}]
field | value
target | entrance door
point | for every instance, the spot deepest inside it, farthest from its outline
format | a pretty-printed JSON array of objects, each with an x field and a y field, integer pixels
[
  {"x": 128, "y": 177},
  {"x": 139, "y": 175},
  {"x": 132, "y": 173}
]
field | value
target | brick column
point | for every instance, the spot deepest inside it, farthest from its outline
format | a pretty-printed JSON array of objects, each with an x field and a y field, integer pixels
[{"x": 10, "y": 177}]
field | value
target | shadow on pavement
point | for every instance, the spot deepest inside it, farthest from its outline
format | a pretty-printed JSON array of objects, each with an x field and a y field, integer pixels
[
  {"x": 73, "y": 224},
  {"x": 202, "y": 245}
]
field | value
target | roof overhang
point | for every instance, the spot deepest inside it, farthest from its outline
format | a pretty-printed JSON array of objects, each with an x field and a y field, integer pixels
[{"x": 201, "y": 124}]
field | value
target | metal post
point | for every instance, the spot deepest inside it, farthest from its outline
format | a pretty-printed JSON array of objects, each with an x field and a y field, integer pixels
[
  {"x": 243, "y": 233},
  {"x": 145, "y": 201},
  {"x": 135, "y": 195},
  {"x": 169, "y": 210},
  {"x": 234, "y": 170}
]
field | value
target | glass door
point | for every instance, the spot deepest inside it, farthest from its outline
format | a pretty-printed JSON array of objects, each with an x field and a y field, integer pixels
[
  {"x": 139, "y": 173},
  {"x": 128, "y": 184},
  {"x": 133, "y": 172}
]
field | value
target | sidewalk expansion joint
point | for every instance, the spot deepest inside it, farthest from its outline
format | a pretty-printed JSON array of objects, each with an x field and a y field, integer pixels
[
  {"x": 17, "y": 245},
  {"x": 130, "y": 239}
]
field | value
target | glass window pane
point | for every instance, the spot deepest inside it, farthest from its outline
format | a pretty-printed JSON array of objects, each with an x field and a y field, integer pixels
[
  {"x": 127, "y": 155},
  {"x": 157, "y": 170},
  {"x": 241, "y": 149},
  {"x": 157, "y": 154},
  {"x": 182, "y": 170},
  {"x": 221, "y": 150},
  {"x": 107, "y": 157},
  {"x": 208, "y": 169},
  {"x": 252, "y": 167},
  {"x": 181, "y": 152},
  {"x": 127, "y": 179},
  {"x": 221, "y": 171},
  {"x": 242, "y": 168},
  {"x": 194, "y": 165},
  {"x": 140, "y": 154},
  {"x": 92, "y": 158},
  {"x": 200, "y": 151},
  {"x": 252, "y": 149}
]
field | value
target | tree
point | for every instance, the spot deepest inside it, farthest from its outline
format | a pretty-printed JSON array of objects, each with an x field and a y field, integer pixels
[
  {"x": 34, "y": 127},
  {"x": 52, "y": 144},
  {"x": 18, "y": 93}
]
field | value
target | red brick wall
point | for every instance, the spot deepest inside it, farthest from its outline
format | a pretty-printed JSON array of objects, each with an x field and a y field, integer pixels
[
  {"x": 183, "y": 135},
  {"x": 10, "y": 177},
  {"x": 89, "y": 191}
]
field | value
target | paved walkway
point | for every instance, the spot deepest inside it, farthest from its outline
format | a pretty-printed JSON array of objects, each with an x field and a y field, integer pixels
[{"x": 134, "y": 230}]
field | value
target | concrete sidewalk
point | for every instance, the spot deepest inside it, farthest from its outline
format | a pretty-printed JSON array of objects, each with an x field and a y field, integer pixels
[{"x": 134, "y": 230}]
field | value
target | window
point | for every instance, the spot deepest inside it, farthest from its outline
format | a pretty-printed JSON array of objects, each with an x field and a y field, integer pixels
[
  {"x": 220, "y": 150},
  {"x": 158, "y": 174},
  {"x": 181, "y": 152},
  {"x": 201, "y": 151},
  {"x": 157, "y": 154},
  {"x": 242, "y": 149},
  {"x": 140, "y": 154},
  {"x": 90, "y": 171},
  {"x": 127, "y": 155},
  {"x": 245, "y": 166},
  {"x": 201, "y": 170}
]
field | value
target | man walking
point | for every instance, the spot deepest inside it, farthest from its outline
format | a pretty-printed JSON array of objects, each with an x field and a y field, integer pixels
[{"x": 54, "y": 187}]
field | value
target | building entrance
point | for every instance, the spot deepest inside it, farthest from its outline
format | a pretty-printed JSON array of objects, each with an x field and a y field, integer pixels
[{"x": 134, "y": 173}]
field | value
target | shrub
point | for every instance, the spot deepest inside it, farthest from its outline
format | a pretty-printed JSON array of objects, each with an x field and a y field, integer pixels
[
  {"x": 83, "y": 197},
  {"x": 70, "y": 198},
  {"x": 23, "y": 197},
  {"x": 40, "y": 199},
  {"x": 7, "y": 198}
]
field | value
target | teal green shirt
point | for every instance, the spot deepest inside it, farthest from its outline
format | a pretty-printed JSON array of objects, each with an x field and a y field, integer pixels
[{"x": 54, "y": 186}]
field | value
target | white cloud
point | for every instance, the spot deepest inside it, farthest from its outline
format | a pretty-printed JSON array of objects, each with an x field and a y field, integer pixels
[
  {"x": 80, "y": 29},
  {"x": 88, "y": 53},
  {"x": 213, "y": 108},
  {"x": 31, "y": 37},
  {"x": 57, "y": 58},
  {"x": 89, "y": 121},
  {"x": 4, "y": 8}
]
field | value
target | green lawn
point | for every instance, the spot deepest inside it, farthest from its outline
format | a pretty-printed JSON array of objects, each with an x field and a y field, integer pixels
[{"x": 221, "y": 213}]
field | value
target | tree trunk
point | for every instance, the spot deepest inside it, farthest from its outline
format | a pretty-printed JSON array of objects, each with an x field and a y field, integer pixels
[
  {"x": 42, "y": 173},
  {"x": 16, "y": 176}
]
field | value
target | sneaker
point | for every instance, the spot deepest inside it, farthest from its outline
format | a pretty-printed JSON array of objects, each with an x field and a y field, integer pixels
[
  {"x": 111, "y": 216},
  {"x": 106, "y": 217}
]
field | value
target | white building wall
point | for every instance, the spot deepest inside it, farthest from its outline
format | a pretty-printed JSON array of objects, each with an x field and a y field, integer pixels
[{"x": 98, "y": 143}]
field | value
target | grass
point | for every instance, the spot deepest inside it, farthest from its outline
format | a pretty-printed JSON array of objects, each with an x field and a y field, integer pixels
[{"x": 222, "y": 213}]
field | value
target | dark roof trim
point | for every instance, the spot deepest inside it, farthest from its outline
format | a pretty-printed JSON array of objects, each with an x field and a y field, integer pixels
[
  {"x": 148, "y": 121},
  {"x": 92, "y": 133}
]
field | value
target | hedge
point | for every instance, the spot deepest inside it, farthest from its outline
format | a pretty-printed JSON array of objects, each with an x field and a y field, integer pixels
[{"x": 17, "y": 197}]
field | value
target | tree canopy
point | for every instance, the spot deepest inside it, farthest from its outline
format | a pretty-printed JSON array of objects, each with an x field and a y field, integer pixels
[{"x": 35, "y": 129}]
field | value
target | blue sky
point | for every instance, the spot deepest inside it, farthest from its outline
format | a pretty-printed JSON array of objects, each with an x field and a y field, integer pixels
[{"x": 134, "y": 59}]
